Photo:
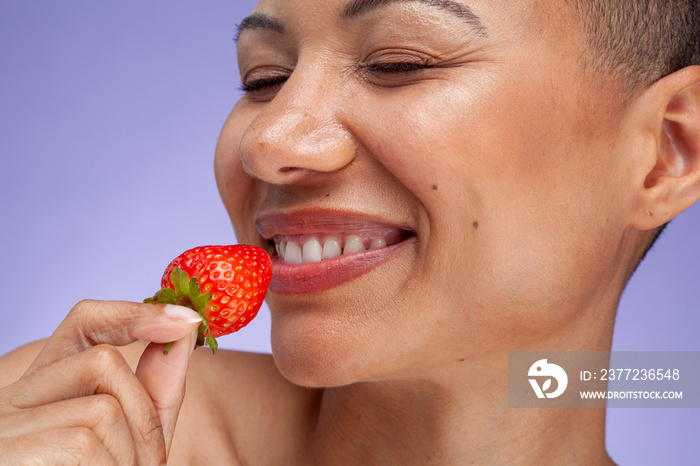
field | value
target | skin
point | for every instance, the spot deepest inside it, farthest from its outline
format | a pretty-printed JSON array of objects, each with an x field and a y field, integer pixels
[{"x": 502, "y": 166}]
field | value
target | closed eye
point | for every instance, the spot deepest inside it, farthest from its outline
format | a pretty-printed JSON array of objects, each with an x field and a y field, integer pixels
[
  {"x": 265, "y": 84},
  {"x": 395, "y": 73},
  {"x": 406, "y": 67}
]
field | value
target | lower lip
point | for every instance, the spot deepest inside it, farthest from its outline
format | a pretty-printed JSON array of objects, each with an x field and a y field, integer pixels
[{"x": 323, "y": 275}]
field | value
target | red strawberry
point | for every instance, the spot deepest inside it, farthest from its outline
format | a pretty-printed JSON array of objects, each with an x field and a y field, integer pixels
[{"x": 233, "y": 281}]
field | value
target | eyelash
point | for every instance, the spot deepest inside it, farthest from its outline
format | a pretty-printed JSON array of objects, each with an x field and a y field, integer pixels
[
  {"x": 406, "y": 67},
  {"x": 260, "y": 84},
  {"x": 399, "y": 67}
]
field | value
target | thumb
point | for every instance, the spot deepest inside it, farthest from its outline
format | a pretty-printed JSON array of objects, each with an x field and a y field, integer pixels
[{"x": 163, "y": 376}]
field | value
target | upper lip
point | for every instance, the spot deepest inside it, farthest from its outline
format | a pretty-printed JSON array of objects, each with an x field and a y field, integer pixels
[{"x": 309, "y": 221}]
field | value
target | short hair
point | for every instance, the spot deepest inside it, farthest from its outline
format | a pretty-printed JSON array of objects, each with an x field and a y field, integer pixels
[
  {"x": 640, "y": 41},
  {"x": 637, "y": 42}
]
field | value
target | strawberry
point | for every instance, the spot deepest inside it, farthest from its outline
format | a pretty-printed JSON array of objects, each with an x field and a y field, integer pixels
[{"x": 226, "y": 285}]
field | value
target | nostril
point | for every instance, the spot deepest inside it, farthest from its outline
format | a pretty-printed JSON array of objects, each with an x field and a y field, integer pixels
[{"x": 283, "y": 145}]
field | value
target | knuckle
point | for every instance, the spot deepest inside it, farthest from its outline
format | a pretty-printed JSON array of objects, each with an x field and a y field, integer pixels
[
  {"x": 106, "y": 356},
  {"x": 103, "y": 360},
  {"x": 84, "y": 440},
  {"x": 83, "y": 307},
  {"x": 107, "y": 409},
  {"x": 99, "y": 322},
  {"x": 82, "y": 315}
]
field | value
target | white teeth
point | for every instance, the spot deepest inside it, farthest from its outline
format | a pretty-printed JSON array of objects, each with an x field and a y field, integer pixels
[
  {"x": 331, "y": 249},
  {"x": 353, "y": 244},
  {"x": 312, "y": 251},
  {"x": 378, "y": 243},
  {"x": 278, "y": 248},
  {"x": 292, "y": 253}
]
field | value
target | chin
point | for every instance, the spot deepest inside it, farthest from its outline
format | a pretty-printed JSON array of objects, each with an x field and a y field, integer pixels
[
  {"x": 303, "y": 370},
  {"x": 312, "y": 354}
]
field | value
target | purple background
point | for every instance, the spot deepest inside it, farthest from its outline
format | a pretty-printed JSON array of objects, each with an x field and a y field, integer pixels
[{"x": 109, "y": 113}]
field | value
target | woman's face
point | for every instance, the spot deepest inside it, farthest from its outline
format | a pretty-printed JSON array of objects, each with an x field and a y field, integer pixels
[{"x": 465, "y": 138}]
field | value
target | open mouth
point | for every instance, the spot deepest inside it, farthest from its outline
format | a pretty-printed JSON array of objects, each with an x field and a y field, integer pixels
[
  {"x": 317, "y": 247},
  {"x": 315, "y": 251}
]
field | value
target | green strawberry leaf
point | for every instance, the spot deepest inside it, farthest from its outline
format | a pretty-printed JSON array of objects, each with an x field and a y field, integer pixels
[
  {"x": 166, "y": 296},
  {"x": 181, "y": 281},
  {"x": 187, "y": 293},
  {"x": 200, "y": 302},
  {"x": 194, "y": 288}
]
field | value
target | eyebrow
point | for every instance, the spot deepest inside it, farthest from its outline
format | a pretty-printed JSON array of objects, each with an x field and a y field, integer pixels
[
  {"x": 258, "y": 21},
  {"x": 359, "y": 7}
]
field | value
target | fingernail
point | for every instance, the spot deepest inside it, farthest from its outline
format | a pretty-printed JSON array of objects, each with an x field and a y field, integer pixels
[{"x": 182, "y": 314}]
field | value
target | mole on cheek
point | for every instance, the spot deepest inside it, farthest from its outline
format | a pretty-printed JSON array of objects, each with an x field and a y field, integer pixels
[
  {"x": 435, "y": 187},
  {"x": 476, "y": 225}
]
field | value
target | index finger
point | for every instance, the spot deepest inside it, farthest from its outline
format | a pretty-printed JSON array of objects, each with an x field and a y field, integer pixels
[{"x": 118, "y": 323}]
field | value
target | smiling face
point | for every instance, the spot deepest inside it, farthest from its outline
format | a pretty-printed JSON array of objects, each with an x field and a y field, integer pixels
[{"x": 462, "y": 147}]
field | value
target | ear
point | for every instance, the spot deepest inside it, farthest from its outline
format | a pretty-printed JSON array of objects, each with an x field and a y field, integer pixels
[{"x": 673, "y": 184}]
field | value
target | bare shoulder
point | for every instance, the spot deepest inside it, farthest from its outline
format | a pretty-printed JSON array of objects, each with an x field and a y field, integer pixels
[
  {"x": 235, "y": 402},
  {"x": 16, "y": 362}
]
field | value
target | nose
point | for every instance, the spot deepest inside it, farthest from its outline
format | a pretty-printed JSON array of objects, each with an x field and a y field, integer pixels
[{"x": 300, "y": 132}]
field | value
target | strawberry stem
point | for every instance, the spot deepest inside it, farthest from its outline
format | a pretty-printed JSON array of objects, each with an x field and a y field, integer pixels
[{"x": 186, "y": 293}]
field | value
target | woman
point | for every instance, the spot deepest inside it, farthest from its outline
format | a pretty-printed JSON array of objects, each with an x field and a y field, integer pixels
[{"x": 441, "y": 130}]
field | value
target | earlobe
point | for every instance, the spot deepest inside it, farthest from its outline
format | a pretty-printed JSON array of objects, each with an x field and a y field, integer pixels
[{"x": 673, "y": 184}]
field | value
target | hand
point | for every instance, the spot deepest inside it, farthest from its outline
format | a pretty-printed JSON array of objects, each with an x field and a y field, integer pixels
[{"x": 79, "y": 402}]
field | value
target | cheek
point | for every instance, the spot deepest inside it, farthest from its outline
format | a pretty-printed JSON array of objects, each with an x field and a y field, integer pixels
[
  {"x": 234, "y": 184},
  {"x": 520, "y": 222}
]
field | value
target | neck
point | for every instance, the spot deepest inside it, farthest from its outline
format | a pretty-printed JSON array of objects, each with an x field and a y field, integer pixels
[
  {"x": 364, "y": 423},
  {"x": 458, "y": 412},
  {"x": 459, "y": 417}
]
